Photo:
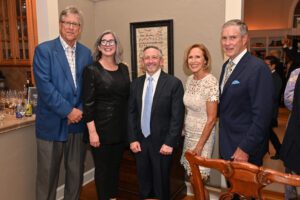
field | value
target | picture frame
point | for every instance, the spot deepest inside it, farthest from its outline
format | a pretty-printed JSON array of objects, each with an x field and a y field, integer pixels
[{"x": 157, "y": 33}]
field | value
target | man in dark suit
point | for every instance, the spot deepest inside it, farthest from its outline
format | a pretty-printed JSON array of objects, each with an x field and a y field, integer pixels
[
  {"x": 58, "y": 66},
  {"x": 245, "y": 108},
  {"x": 271, "y": 61},
  {"x": 154, "y": 131},
  {"x": 290, "y": 148}
]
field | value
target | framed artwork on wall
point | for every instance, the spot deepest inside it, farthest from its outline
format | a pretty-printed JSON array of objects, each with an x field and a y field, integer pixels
[{"x": 151, "y": 33}]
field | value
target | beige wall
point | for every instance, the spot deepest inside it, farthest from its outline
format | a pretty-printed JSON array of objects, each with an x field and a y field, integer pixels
[
  {"x": 262, "y": 14},
  {"x": 194, "y": 21}
]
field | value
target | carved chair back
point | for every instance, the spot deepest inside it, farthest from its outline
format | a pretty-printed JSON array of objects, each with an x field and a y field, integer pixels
[{"x": 246, "y": 180}]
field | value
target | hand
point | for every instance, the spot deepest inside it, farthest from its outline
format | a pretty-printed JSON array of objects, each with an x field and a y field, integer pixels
[
  {"x": 135, "y": 147},
  {"x": 166, "y": 150},
  {"x": 287, "y": 42},
  {"x": 197, "y": 151},
  {"x": 240, "y": 155},
  {"x": 94, "y": 140},
  {"x": 75, "y": 115}
]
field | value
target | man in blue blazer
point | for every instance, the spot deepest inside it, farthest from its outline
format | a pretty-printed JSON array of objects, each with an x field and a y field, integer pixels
[
  {"x": 153, "y": 140},
  {"x": 58, "y": 66},
  {"x": 245, "y": 108}
]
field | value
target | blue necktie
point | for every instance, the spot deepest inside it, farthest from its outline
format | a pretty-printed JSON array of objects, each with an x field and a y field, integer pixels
[{"x": 147, "y": 108}]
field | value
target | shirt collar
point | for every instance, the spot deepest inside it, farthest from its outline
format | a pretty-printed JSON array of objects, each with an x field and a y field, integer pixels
[
  {"x": 65, "y": 45},
  {"x": 237, "y": 59},
  {"x": 155, "y": 76}
]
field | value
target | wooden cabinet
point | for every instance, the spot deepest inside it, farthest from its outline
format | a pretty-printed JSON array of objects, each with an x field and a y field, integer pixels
[
  {"x": 18, "y": 35},
  {"x": 267, "y": 42},
  {"x": 263, "y": 46}
]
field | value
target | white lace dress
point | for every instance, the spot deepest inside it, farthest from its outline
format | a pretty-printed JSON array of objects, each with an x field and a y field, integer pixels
[{"x": 197, "y": 93}]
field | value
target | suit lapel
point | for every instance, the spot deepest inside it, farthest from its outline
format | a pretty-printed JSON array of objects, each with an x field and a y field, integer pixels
[
  {"x": 241, "y": 66},
  {"x": 140, "y": 89},
  {"x": 78, "y": 64},
  {"x": 61, "y": 57},
  {"x": 159, "y": 89}
]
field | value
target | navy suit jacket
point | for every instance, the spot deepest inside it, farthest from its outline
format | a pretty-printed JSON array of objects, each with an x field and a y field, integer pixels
[
  {"x": 245, "y": 109},
  {"x": 167, "y": 111},
  {"x": 57, "y": 94},
  {"x": 290, "y": 147}
]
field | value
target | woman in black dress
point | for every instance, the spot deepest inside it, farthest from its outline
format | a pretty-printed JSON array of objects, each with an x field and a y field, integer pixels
[{"x": 105, "y": 94}]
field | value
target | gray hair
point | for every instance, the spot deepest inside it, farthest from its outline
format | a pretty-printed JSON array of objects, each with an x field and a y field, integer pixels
[
  {"x": 70, "y": 10},
  {"x": 119, "y": 50},
  {"x": 237, "y": 22},
  {"x": 152, "y": 47}
]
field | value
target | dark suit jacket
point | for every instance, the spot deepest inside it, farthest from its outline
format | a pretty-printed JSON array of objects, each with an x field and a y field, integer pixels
[
  {"x": 167, "y": 111},
  {"x": 105, "y": 101},
  {"x": 245, "y": 109},
  {"x": 57, "y": 94},
  {"x": 277, "y": 83},
  {"x": 290, "y": 148}
]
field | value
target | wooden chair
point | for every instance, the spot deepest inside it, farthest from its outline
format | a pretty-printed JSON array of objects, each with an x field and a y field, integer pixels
[{"x": 247, "y": 180}]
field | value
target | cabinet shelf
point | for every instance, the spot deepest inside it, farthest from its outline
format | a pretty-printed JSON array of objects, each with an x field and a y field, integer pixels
[{"x": 267, "y": 42}]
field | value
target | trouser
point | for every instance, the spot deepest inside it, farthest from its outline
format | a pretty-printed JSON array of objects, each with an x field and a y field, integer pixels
[
  {"x": 290, "y": 191},
  {"x": 107, "y": 159},
  {"x": 275, "y": 141},
  {"x": 49, "y": 156},
  {"x": 153, "y": 170}
]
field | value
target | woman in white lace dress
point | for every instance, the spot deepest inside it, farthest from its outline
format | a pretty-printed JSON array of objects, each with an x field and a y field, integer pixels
[{"x": 201, "y": 100}]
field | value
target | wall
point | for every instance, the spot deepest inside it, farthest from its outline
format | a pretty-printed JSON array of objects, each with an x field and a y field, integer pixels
[
  {"x": 193, "y": 22},
  {"x": 273, "y": 14}
]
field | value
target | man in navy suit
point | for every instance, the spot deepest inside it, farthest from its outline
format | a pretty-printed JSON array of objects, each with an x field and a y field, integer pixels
[
  {"x": 153, "y": 143},
  {"x": 245, "y": 108},
  {"x": 58, "y": 66}
]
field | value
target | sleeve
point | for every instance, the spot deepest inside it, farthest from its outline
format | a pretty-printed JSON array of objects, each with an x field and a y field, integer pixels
[
  {"x": 133, "y": 116},
  {"x": 213, "y": 87},
  {"x": 48, "y": 94},
  {"x": 289, "y": 89},
  {"x": 88, "y": 94},
  {"x": 177, "y": 115}
]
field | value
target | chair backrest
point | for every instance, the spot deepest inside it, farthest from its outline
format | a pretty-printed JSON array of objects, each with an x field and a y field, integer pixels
[{"x": 247, "y": 180}]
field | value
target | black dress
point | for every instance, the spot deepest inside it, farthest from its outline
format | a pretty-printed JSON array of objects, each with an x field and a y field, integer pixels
[{"x": 105, "y": 99}]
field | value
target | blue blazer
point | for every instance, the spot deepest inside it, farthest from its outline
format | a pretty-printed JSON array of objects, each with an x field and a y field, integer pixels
[
  {"x": 245, "y": 109},
  {"x": 57, "y": 94}
]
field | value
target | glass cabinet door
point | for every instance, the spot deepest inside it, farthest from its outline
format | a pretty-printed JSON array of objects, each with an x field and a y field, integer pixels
[
  {"x": 5, "y": 34},
  {"x": 13, "y": 32},
  {"x": 22, "y": 33}
]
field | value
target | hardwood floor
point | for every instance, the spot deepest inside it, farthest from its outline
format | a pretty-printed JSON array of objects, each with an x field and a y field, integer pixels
[{"x": 128, "y": 181}]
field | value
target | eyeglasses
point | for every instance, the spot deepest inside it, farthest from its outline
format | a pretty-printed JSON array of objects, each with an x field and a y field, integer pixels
[
  {"x": 69, "y": 24},
  {"x": 108, "y": 42}
]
